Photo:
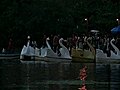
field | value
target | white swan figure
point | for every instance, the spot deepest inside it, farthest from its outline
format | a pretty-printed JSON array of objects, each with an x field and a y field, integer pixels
[
  {"x": 43, "y": 51},
  {"x": 64, "y": 51},
  {"x": 113, "y": 55},
  {"x": 26, "y": 50},
  {"x": 37, "y": 51},
  {"x": 100, "y": 54},
  {"x": 29, "y": 51},
  {"x": 47, "y": 51},
  {"x": 50, "y": 52},
  {"x": 116, "y": 49}
]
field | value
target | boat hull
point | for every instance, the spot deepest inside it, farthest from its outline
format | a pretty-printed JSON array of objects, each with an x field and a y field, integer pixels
[
  {"x": 9, "y": 56},
  {"x": 107, "y": 60},
  {"x": 46, "y": 59},
  {"x": 79, "y": 55},
  {"x": 83, "y": 60}
]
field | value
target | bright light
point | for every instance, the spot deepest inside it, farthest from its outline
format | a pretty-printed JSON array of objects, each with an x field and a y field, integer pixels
[
  {"x": 28, "y": 37},
  {"x": 77, "y": 26},
  {"x": 85, "y": 19},
  {"x": 117, "y": 19}
]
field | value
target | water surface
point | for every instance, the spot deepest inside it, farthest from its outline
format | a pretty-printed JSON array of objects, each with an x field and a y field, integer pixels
[{"x": 15, "y": 75}]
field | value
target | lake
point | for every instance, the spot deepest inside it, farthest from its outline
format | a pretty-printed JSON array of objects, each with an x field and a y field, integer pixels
[{"x": 41, "y": 75}]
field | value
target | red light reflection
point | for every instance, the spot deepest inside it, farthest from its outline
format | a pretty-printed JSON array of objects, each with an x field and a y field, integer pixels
[
  {"x": 83, "y": 87},
  {"x": 83, "y": 76}
]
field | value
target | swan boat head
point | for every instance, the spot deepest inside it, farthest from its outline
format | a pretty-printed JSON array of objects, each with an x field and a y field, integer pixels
[{"x": 63, "y": 50}]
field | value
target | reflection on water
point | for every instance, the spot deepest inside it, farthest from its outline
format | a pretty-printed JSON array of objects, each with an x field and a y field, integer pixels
[
  {"x": 82, "y": 77},
  {"x": 15, "y": 75},
  {"x": 83, "y": 87}
]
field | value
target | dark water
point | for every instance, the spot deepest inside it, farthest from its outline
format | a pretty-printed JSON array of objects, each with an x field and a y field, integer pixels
[{"x": 15, "y": 75}]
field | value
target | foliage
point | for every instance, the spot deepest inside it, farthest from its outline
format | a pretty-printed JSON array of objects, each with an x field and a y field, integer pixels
[{"x": 20, "y": 18}]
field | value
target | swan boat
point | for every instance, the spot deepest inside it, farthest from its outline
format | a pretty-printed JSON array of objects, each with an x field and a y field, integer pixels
[
  {"x": 95, "y": 55},
  {"x": 102, "y": 57},
  {"x": 45, "y": 53},
  {"x": 80, "y": 55}
]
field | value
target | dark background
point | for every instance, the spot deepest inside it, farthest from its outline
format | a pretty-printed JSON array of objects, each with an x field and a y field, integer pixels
[{"x": 19, "y": 18}]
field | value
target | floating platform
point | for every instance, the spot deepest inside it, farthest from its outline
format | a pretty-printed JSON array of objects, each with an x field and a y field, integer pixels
[
  {"x": 107, "y": 60},
  {"x": 9, "y": 56}
]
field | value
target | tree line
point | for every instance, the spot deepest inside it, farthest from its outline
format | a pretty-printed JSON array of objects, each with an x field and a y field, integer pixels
[{"x": 20, "y": 18}]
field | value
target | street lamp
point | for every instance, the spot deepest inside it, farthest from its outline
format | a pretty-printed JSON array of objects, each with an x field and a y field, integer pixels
[{"x": 118, "y": 21}]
